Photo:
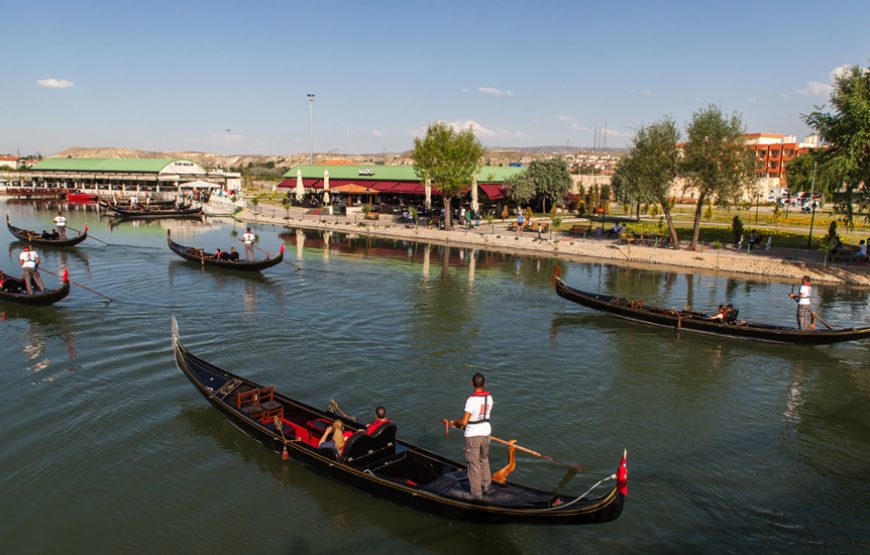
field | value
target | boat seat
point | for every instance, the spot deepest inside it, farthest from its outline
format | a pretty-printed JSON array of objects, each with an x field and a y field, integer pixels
[
  {"x": 255, "y": 402},
  {"x": 361, "y": 445}
]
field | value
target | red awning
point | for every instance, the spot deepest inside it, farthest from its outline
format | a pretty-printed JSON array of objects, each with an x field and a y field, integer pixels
[{"x": 493, "y": 191}]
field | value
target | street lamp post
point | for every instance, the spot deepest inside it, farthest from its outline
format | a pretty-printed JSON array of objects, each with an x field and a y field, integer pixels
[
  {"x": 813, "y": 204},
  {"x": 227, "y": 159},
  {"x": 310, "y": 128}
]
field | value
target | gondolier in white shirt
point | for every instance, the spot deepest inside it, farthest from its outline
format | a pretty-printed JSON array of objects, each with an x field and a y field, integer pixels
[
  {"x": 475, "y": 421},
  {"x": 804, "y": 312},
  {"x": 248, "y": 239},
  {"x": 29, "y": 261},
  {"x": 60, "y": 225}
]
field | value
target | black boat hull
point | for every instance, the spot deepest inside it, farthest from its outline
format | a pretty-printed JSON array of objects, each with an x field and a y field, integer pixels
[
  {"x": 44, "y": 298},
  {"x": 241, "y": 265},
  {"x": 695, "y": 322},
  {"x": 154, "y": 214},
  {"x": 584, "y": 511},
  {"x": 36, "y": 238}
]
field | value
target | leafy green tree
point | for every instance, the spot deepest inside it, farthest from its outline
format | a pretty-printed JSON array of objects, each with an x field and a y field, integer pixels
[
  {"x": 716, "y": 160},
  {"x": 520, "y": 188},
  {"x": 550, "y": 178},
  {"x": 845, "y": 132},
  {"x": 450, "y": 158},
  {"x": 650, "y": 167}
]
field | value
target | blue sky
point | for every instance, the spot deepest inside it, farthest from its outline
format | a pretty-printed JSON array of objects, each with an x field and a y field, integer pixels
[{"x": 174, "y": 76}]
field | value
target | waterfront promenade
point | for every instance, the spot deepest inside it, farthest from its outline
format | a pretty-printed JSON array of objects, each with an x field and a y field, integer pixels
[{"x": 778, "y": 264}]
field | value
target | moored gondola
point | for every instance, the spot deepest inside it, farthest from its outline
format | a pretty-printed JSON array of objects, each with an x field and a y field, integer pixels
[
  {"x": 697, "y": 322},
  {"x": 382, "y": 465},
  {"x": 38, "y": 239},
  {"x": 153, "y": 212},
  {"x": 14, "y": 290},
  {"x": 202, "y": 257}
]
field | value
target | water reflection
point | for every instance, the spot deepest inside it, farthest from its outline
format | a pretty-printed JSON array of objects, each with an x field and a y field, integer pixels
[{"x": 43, "y": 325}]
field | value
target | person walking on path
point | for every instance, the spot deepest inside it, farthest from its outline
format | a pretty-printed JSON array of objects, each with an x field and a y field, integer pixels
[
  {"x": 29, "y": 261},
  {"x": 540, "y": 229},
  {"x": 60, "y": 225},
  {"x": 248, "y": 239},
  {"x": 520, "y": 221},
  {"x": 804, "y": 313},
  {"x": 475, "y": 421}
]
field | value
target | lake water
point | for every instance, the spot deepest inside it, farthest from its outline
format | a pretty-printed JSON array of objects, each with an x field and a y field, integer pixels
[{"x": 106, "y": 448}]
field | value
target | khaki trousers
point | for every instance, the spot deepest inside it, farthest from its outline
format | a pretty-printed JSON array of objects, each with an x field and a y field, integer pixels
[
  {"x": 477, "y": 458},
  {"x": 28, "y": 274}
]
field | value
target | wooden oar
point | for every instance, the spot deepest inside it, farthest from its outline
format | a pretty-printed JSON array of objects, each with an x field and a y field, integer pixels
[
  {"x": 575, "y": 467},
  {"x": 85, "y": 287},
  {"x": 816, "y": 316},
  {"x": 269, "y": 255},
  {"x": 89, "y": 235}
]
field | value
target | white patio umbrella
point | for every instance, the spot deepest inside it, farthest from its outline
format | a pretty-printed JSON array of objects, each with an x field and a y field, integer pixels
[
  {"x": 326, "y": 191},
  {"x": 300, "y": 189}
]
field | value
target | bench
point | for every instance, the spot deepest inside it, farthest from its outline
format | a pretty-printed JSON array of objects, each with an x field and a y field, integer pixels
[
  {"x": 580, "y": 229},
  {"x": 259, "y": 403},
  {"x": 531, "y": 226},
  {"x": 372, "y": 216}
]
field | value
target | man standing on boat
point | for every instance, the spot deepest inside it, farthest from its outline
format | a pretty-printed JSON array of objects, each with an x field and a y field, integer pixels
[
  {"x": 29, "y": 261},
  {"x": 804, "y": 313},
  {"x": 475, "y": 421},
  {"x": 60, "y": 225},
  {"x": 248, "y": 239}
]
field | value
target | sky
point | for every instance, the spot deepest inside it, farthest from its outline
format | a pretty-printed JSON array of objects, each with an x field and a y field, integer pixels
[{"x": 176, "y": 75}]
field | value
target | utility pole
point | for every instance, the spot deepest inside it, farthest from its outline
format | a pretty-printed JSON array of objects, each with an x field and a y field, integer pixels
[
  {"x": 813, "y": 203},
  {"x": 310, "y": 128}
]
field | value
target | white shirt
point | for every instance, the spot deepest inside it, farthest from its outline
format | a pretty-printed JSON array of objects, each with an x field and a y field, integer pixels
[
  {"x": 479, "y": 407},
  {"x": 804, "y": 294},
  {"x": 29, "y": 259},
  {"x": 248, "y": 238},
  {"x": 59, "y": 221},
  {"x": 862, "y": 250}
]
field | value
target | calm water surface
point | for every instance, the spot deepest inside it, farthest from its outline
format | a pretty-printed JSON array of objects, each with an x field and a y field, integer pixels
[{"x": 107, "y": 448}]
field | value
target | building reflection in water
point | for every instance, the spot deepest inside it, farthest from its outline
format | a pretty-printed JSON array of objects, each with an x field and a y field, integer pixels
[
  {"x": 249, "y": 298},
  {"x": 472, "y": 266},
  {"x": 427, "y": 257},
  {"x": 300, "y": 243},
  {"x": 327, "y": 235}
]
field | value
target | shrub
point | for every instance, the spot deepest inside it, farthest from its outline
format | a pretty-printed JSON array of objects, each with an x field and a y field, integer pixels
[
  {"x": 708, "y": 212},
  {"x": 653, "y": 209},
  {"x": 737, "y": 228}
]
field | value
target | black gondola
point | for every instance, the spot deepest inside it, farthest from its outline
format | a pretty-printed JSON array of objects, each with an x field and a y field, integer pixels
[
  {"x": 38, "y": 239},
  {"x": 697, "y": 322},
  {"x": 156, "y": 212},
  {"x": 204, "y": 258},
  {"x": 14, "y": 290},
  {"x": 381, "y": 465}
]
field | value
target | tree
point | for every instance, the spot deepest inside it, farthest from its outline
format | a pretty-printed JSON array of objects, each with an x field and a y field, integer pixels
[
  {"x": 650, "y": 167},
  {"x": 845, "y": 133},
  {"x": 550, "y": 178},
  {"x": 520, "y": 188},
  {"x": 716, "y": 160},
  {"x": 450, "y": 158}
]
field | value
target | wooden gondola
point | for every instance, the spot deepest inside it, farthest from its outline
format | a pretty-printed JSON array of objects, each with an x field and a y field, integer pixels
[
  {"x": 125, "y": 203},
  {"x": 697, "y": 322},
  {"x": 156, "y": 212},
  {"x": 14, "y": 290},
  {"x": 37, "y": 239},
  {"x": 380, "y": 464},
  {"x": 204, "y": 258}
]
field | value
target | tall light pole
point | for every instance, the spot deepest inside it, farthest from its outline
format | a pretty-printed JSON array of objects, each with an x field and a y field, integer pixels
[
  {"x": 310, "y": 128},
  {"x": 227, "y": 159}
]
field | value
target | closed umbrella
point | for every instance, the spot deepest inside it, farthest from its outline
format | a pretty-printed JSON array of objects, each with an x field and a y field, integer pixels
[
  {"x": 300, "y": 189},
  {"x": 326, "y": 191}
]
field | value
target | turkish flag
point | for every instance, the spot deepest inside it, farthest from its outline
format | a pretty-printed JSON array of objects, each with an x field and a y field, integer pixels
[{"x": 622, "y": 475}]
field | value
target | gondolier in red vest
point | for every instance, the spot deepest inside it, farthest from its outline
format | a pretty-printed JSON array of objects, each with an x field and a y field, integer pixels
[
  {"x": 804, "y": 312},
  {"x": 60, "y": 225},
  {"x": 475, "y": 421}
]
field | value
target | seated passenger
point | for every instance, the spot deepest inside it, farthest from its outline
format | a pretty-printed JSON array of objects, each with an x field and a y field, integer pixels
[
  {"x": 218, "y": 254},
  {"x": 233, "y": 255},
  {"x": 54, "y": 235},
  {"x": 720, "y": 314},
  {"x": 730, "y": 314},
  {"x": 224, "y": 256},
  {"x": 380, "y": 420},
  {"x": 338, "y": 436},
  {"x": 46, "y": 235}
]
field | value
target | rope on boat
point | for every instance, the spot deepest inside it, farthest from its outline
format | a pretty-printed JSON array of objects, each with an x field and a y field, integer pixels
[{"x": 583, "y": 495}]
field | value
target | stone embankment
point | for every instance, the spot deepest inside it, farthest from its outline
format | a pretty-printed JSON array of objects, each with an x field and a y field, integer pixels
[{"x": 775, "y": 264}]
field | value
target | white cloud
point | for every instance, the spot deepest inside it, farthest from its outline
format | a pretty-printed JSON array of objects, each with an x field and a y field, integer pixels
[
  {"x": 614, "y": 133},
  {"x": 378, "y": 133},
  {"x": 52, "y": 83},
  {"x": 816, "y": 88},
  {"x": 494, "y": 91},
  {"x": 750, "y": 99},
  {"x": 645, "y": 92},
  {"x": 572, "y": 121},
  {"x": 496, "y": 134},
  {"x": 465, "y": 90},
  {"x": 478, "y": 129}
]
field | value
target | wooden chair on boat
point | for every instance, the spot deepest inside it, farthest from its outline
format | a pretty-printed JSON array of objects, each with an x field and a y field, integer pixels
[{"x": 256, "y": 402}]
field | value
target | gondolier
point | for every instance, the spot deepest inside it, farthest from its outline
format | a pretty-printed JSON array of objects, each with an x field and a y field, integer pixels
[
  {"x": 248, "y": 239},
  {"x": 29, "y": 261},
  {"x": 475, "y": 421},
  {"x": 804, "y": 312},
  {"x": 60, "y": 225}
]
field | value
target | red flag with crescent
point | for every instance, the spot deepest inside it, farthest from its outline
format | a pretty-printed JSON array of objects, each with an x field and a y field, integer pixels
[{"x": 622, "y": 476}]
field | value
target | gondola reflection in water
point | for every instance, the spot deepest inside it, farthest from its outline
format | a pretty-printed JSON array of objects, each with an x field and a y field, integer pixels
[{"x": 382, "y": 465}]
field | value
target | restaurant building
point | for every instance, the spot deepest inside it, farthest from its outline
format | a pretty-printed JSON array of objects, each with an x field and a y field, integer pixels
[
  {"x": 151, "y": 175},
  {"x": 402, "y": 181}
]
